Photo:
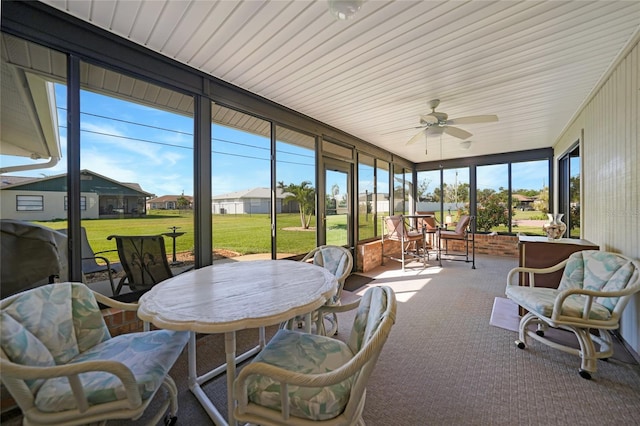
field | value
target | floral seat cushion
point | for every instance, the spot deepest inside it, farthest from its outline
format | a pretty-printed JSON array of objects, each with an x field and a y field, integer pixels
[
  {"x": 149, "y": 356},
  {"x": 62, "y": 324},
  {"x": 540, "y": 300},
  {"x": 312, "y": 354},
  {"x": 590, "y": 270}
]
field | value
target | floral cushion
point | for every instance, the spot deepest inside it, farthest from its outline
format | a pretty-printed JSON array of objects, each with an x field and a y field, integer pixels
[
  {"x": 88, "y": 321},
  {"x": 367, "y": 319},
  {"x": 46, "y": 312},
  {"x": 309, "y": 354},
  {"x": 149, "y": 356},
  {"x": 598, "y": 271},
  {"x": 24, "y": 348},
  {"x": 61, "y": 324},
  {"x": 540, "y": 300},
  {"x": 334, "y": 260}
]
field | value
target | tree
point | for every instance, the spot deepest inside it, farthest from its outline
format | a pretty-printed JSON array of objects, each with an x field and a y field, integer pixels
[
  {"x": 423, "y": 190},
  {"x": 305, "y": 195},
  {"x": 492, "y": 211},
  {"x": 542, "y": 203},
  {"x": 335, "y": 190},
  {"x": 574, "y": 198},
  {"x": 182, "y": 203}
]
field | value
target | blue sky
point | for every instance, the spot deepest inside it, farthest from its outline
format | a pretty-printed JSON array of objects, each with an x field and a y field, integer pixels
[{"x": 134, "y": 143}]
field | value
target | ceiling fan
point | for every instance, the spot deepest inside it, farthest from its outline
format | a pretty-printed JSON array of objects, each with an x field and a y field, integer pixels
[{"x": 436, "y": 123}]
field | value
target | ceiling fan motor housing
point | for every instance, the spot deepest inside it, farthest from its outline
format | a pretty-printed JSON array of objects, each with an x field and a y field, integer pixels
[{"x": 439, "y": 118}]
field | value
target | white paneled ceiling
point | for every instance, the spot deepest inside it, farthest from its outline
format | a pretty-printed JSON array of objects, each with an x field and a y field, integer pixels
[{"x": 532, "y": 63}]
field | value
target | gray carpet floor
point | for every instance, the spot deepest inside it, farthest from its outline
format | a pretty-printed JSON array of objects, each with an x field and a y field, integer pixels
[{"x": 444, "y": 364}]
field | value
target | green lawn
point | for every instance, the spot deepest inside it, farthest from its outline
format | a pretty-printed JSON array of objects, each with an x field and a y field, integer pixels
[{"x": 244, "y": 234}]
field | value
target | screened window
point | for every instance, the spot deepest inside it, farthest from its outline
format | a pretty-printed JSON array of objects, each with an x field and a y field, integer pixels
[
  {"x": 83, "y": 202},
  {"x": 428, "y": 193},
  {"x": 569, "y": 187},
  {"x": 492, "y": 198},
  {"x": 296, "y": 192},
  {"x": 27, "y": 203},
  {"x": 383, "y": 202},
  {"x": 507, "y": 193},
  {"x": 366, "y": 197}
]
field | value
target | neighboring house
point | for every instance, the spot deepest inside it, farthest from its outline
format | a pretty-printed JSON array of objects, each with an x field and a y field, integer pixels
[
  {"x": 168, "y": 202},
  {"x": 524, "y": 202},
  {"x": 45, "y": 198},
  {"x": 366, "y": 199},
  {"x": 256, "y": 200}
]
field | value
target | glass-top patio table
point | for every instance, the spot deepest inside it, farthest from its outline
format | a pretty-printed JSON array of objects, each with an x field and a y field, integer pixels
[{"x": 230, "y": 297}]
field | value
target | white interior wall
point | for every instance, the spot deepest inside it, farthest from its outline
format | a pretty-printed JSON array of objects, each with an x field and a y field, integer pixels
[{"x": 608, "y": 128}]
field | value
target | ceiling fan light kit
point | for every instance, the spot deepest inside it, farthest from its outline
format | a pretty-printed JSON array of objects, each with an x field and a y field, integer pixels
[{"x": 344, "y": 9}]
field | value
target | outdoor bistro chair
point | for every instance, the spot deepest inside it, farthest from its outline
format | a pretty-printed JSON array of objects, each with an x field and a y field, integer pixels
[
  {"x": 431, "y": 228},
  {"x": 304, "y": 379},
  {"x": 594, "y": 289},
  {"x": 62, "y": 366},
  {"x": 412, "y": 242},
  {"x": 463, "y": 232},
  {"x": 144, "y": 259},
  {"x": 90, "y": 259}
]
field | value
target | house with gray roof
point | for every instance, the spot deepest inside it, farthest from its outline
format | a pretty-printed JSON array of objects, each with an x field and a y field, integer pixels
[
  {"x": 45, "y": 198},
  {"x": 170, "y": 202},
  {"x": 252, "y": 201}
]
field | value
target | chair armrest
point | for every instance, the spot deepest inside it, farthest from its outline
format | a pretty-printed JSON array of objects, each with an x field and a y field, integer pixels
[
  {"x": 105, "y": 251},
  {"x": 589, "y": 296},
  {"x": 104, "y": 259},
  {"x": 71, "y": 371},
  {"x": 105, "y": 300},
  {"x": 532, "y": 271},
  {"x": 331, "y": 309}
]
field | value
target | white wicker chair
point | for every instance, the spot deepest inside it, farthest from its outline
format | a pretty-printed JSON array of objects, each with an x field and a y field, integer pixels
[
  {"x": 62, "y": 367},
  {"x": 309, "y": 379},
  {"x": 594, "y": 290},
  {"x": 339, "y": 261}
]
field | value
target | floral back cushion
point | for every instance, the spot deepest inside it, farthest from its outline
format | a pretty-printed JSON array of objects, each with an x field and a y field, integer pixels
[{"x": 598, "y": 271}]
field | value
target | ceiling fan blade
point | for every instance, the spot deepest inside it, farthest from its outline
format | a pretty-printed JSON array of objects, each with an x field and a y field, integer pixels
[
  {"x": 474, "y": 119},
  {"x": 401, "y": 130},
  {"x": 421, "y": 135},
  {"x": 457, "y": 132}
]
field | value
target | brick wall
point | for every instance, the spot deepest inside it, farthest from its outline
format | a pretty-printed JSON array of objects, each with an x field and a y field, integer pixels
[
  {"x": 369, "y": 255},
  {"x": 121, "y": 322}
]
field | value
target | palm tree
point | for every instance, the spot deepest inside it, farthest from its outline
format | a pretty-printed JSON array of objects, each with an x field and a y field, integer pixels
[{"x": 305, "y": 195}]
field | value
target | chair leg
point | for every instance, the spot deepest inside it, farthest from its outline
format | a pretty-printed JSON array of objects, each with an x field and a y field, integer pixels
[
  {"x": 587, "y": 352},
  {"x": 113, "y": 286}
]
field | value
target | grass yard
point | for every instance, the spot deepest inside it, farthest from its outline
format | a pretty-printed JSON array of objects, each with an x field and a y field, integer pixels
[{"x": 244, "y": 234}]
